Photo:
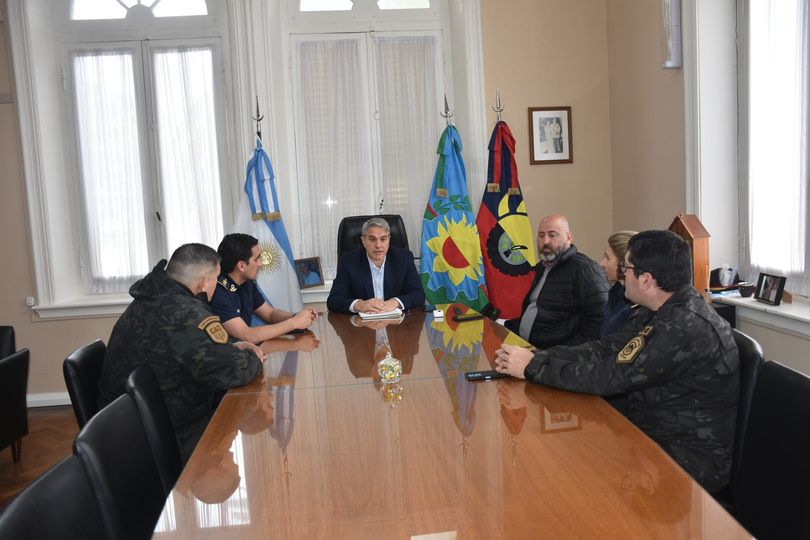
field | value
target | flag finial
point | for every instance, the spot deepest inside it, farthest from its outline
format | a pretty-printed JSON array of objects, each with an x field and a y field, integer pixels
[
  {"x": 498, "y": 108},
  {"x": 447, "y": 115},
  {"x": 258, "y": 118}
]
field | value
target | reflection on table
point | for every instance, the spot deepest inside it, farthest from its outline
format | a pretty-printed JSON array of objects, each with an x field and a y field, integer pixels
[{"x": 499, "y": 459}]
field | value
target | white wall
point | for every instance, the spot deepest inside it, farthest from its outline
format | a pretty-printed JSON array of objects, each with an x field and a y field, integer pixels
[{"x": 710, "y": 98}]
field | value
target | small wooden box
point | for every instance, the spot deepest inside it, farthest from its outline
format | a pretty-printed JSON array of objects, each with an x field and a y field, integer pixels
[{"x": 689, "y": 227}]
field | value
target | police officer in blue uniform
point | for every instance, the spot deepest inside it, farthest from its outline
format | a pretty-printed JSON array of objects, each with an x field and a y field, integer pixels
[{"x": 237, "y": 297}]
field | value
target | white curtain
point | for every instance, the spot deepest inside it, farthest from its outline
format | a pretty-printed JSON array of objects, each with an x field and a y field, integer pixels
[
  {"x": 110, "y": 162},
  {"x": 342, "y": 172},
  {"x": 409, "y": 125},
  {"x": 187, "y": 147},
  {"x": 332, "y": 143},
  {"x": 778, "y": 141},
  {"x": 114, "y": 184}
]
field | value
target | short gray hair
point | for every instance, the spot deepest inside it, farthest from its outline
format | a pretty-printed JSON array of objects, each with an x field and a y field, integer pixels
[
  {"x": 376, "y": 222},
  {"x": 190, "y": 262}
]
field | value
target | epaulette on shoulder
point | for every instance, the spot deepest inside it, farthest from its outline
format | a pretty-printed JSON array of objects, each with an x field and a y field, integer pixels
[{"x": 227, "y": 284}]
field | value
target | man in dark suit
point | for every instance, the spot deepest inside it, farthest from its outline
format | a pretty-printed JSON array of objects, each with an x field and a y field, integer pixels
[{"x": 376, "y": 277}]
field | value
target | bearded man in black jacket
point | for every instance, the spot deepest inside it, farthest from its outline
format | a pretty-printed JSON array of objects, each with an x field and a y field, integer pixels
[{"x": 565, "y": 304}]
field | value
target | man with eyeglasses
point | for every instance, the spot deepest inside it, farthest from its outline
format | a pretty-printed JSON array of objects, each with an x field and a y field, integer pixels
[
  {"x": 566, "y": 302},
  {"x": 675, "y": 359},
  {"x": 376, "y": 277}
]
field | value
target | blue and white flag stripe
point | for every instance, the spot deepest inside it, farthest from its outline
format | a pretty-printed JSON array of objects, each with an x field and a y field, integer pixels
[{"x": 259, "y": 176}]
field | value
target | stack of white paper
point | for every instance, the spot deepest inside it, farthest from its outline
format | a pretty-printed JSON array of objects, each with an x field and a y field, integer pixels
[{"x": 395, "y": 313}]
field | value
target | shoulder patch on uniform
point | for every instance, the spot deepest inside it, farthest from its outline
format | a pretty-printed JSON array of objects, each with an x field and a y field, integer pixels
[
  {"x": 212, "y": 327},
  {"x": 631, "y": 350},
  {"x": 634, "y": 346}
]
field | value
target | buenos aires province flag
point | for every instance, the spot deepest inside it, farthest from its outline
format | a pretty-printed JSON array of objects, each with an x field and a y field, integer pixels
[{"x": 451, "y": 267}]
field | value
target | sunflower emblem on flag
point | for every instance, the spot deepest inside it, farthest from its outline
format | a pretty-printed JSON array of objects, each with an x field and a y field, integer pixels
[{"x": 457, "y": 252}]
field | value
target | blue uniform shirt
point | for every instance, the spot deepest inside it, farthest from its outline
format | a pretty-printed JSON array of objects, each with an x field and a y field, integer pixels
[{"x": 231, "y": 300}]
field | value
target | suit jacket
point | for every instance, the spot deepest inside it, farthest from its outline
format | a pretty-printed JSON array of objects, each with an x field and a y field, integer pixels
[{"x": 353, "y": 280}]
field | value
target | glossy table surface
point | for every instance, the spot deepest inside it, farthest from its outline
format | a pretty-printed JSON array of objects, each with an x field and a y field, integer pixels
[{"x": 319, "y": 448}]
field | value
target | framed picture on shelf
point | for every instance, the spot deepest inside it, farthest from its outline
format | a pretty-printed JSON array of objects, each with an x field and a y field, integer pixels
[
  {"x": 770, "y": 288},
  {"x": 550, "y": 138},
  {"x": 309, "y": 272}
]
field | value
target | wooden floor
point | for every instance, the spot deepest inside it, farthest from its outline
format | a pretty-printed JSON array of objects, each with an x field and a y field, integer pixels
[{"x": 51, "y": 431}]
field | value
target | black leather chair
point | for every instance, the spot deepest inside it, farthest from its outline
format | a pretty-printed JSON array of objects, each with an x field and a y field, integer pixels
[
  {"x": 751, "y": 361},
  {"x": 144, "y": 389},
  {"x": 58, "y": 504},
  {"x": 772, "y": 488},
  {"x": 13, "y": 406},
  {"x": 115, "y": 452},
  {"x": 82, "y": 370},
  {"x": 7, "y": 344},
  {"x": 350, "y": 228}
]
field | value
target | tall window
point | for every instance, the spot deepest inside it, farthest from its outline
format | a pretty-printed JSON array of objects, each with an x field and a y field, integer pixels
[
  {"x": 146, "y": 124},
  {"x": 367, "y": 125},
  {"x": 139, "y": 146},
  {"x": 777, "y": 141}
]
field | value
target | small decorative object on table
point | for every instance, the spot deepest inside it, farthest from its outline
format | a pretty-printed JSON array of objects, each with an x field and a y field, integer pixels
[
  {"x": 747, "y": 288},
  {"x": 390, "y": 369}
]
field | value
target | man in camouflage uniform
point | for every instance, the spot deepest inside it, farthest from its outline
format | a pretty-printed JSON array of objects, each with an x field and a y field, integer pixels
[
  {"x": 675, "y": 358},
  {"x": 170, "y": 327}
]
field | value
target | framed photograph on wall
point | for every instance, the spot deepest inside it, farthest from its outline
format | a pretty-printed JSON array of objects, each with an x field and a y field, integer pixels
[
  {"x": 550, "y": 138},
  {"x": 309, "y": 272},
  {"x": 770, "y": 288}
]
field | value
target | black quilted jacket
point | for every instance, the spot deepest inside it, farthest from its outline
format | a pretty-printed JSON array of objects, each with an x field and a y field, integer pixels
[{"x": 570, "y": 307}]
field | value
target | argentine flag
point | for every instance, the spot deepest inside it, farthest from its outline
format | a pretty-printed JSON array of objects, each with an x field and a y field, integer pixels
[{"x": 260, "y": 216}]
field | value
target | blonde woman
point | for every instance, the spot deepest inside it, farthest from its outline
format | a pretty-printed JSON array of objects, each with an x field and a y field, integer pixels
[{"x": 618, "y": 307}]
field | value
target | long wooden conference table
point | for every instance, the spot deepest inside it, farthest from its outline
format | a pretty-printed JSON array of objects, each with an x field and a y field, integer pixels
[{"x": 319, "y": 447}]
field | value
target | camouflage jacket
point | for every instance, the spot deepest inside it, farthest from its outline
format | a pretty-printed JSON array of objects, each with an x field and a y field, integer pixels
[
  {"x": 193, "y": 359},
  {"x": 680, "y": 370}
]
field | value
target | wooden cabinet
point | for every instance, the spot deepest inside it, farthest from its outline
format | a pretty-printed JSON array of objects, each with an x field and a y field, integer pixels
[{"x": 689, "y": 227}]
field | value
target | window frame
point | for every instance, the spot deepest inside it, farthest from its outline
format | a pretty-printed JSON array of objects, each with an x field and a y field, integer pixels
[
  {"x": 148, "y": 134},
  {"x": 800, "y": 281},
  {"x": 73, "y": 150},
  {"x": 255, "y": 53},
  {"x": 368, "y": 52},
  {"x": 41, "y": 36},
  {"x": 368, "y": 20}
]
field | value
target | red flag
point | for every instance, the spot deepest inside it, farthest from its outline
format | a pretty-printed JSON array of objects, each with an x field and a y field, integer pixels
[{"x": 507, "y": 239}]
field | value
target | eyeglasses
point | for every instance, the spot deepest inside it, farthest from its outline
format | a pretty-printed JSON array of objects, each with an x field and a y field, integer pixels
[{"x": 623, "y": 268}]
